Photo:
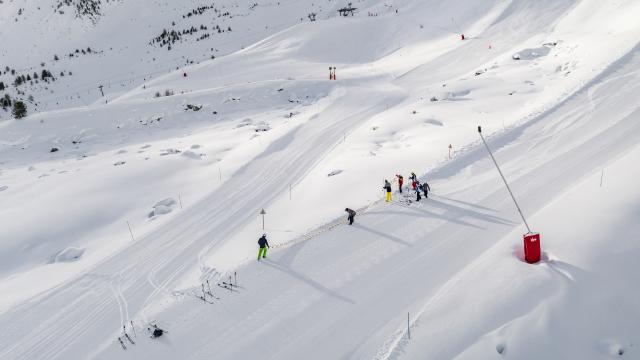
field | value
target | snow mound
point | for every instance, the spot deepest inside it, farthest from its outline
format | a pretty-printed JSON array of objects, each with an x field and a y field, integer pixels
[
  {"x": 192, "y": 155},
  {"x": 434, "y": 122},
  {"x": 162, "y": 207},
  {"x": 530, "y": 54},
  {"x": 169, "y": 151},
  {"x": 452, "y": 95},
  {"x": 262, "y": 127},
  {"x": 69, "y": 254},
  {"x": 244, "y": 123}
]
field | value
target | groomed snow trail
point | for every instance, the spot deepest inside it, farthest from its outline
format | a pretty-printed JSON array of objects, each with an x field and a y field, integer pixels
[
  {"x": 74, "y": 316},
  {"x": 344, "y": 293}
]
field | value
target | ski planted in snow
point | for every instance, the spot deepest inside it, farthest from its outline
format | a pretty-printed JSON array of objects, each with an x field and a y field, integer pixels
[{"x": 122, "y": 343}]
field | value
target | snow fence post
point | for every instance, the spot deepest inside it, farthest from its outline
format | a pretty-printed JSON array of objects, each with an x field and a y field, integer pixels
[
  {"x": 601, "y": 176},
  {"x": 408, "y": 327},
  {"x": 130, "y": 232},
  {"x": 262, "y": 212}
]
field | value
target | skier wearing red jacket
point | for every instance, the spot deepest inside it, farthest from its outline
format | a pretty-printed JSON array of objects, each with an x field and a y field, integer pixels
[
  {"x": 414, "y": 180},
  {"x": 400, "y": 182}
]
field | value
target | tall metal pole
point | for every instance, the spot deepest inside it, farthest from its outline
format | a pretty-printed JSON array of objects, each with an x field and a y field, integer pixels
[{"x": 503, "y": 179}]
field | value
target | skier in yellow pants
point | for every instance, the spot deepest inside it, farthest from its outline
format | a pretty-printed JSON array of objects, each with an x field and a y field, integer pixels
[
  {"x": 263, "y": 246},
  {"x": 387, "y": 187}
]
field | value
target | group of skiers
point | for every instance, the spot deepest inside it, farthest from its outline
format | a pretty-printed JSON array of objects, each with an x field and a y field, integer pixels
[{"x": 415, "y": 185}]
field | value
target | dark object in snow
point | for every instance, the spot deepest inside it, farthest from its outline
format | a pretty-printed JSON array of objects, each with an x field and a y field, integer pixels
[
  {"x": 433, "y": 98},
  {"x": 53, "y": 150},
  {"x": 215, "y": 113},
  {"x": 157, "y": 332},
  {"x": 193, "y": 107},
  {"x": 347, "y": 10}
]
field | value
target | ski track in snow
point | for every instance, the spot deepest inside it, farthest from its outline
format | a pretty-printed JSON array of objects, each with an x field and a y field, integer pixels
[
  {"x": 161, "y": 256},
  {"x": 337, "y": 292}
]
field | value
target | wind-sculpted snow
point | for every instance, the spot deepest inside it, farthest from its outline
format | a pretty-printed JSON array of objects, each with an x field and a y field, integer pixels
[{"x": 143, "y": 208}]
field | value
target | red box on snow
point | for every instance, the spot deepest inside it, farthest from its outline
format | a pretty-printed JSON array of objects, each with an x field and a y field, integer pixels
[{"x": 532, "y": 247}]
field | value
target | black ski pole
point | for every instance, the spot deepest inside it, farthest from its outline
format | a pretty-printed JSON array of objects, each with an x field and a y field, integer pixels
[
  {"x": 204, "y": 297},
  {"x": 235, "y": 278}
]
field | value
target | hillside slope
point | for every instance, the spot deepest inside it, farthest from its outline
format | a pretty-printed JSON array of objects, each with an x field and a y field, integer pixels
[{"x": 147, "y": 197}]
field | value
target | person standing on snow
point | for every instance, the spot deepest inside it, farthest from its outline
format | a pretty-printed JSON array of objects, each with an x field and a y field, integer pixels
[
  {"x": 414, "y": 180},
  {"x": 352, "y": 214},
  {"x": 426, "y": 188},
  {"x": 387, "y": 187},
  {"x": 400, "y": 182},
  {"x": 264, "y": 244},
  {"x": 418, "y": 189}
]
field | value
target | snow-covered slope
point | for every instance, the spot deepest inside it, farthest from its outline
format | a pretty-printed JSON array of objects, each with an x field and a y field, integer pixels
[
  {"x": 158, "y": 190},
  {"x": 118, "y": 44}
]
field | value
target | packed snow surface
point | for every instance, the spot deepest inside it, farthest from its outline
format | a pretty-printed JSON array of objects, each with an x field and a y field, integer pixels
[{"x": 133, "y": 192}]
